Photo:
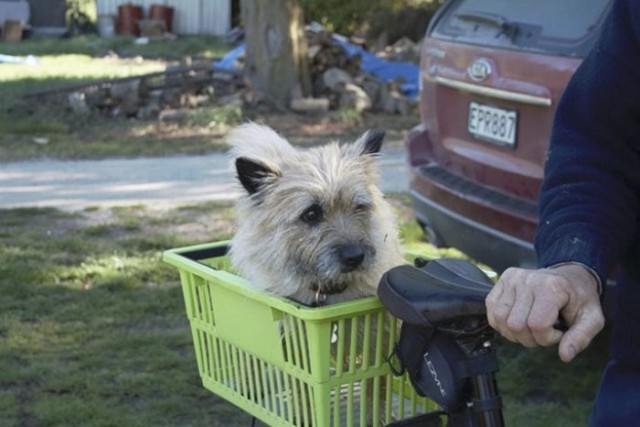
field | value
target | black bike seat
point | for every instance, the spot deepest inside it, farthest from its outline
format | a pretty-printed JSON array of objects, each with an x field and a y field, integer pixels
[{"x": 442, "y": 291}]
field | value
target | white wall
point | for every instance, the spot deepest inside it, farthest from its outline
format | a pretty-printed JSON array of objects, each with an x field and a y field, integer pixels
[{"x": 189, "y": 16}]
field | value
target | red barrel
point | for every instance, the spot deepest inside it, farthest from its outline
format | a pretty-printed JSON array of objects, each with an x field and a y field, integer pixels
[
  {"x": 128, "y": 17},
  {"x": 162, "y": 13}
]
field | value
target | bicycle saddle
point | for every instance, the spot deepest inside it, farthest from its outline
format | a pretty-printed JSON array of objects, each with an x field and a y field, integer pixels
[{"x": 443, "y": 291}]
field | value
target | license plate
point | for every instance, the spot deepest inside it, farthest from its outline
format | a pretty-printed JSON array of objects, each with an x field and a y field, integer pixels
[{"x": 492, "y": 124}]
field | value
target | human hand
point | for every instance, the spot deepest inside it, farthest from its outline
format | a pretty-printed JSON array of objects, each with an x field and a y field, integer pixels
[{"x": 525, "y": 304}]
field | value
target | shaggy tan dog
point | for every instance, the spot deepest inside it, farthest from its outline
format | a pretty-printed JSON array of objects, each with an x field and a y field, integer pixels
[{"x": 312, "y": 225}]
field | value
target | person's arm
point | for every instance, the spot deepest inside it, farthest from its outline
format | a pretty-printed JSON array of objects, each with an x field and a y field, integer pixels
[{"x": 588, "y": 203}]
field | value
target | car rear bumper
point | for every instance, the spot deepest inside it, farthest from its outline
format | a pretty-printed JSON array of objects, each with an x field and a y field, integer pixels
[
  {"x": 492, "y": 247},
  {"x": 490, "y": 226}
]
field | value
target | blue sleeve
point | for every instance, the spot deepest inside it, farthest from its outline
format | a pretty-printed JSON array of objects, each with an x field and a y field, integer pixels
[{"x": 589, "y": 197}]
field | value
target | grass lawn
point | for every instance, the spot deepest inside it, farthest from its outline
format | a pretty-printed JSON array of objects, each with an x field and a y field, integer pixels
[
  {"x": 46, "y": 127},
  {"x": 93, "y": 330}
]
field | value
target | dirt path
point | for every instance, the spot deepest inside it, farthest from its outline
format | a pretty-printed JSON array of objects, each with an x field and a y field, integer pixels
[{"x": 158, "y": 182}]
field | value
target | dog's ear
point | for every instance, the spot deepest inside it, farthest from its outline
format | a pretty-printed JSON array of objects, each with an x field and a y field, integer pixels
[
  {"x": 371, "y": 141},
  {"x": 253, "y": 174}
]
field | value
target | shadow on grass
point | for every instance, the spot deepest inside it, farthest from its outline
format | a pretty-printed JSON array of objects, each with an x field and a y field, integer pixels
[
  {"x": 92, "y": 325},
  {"x": 540, "y": 390},
  {"x": 41, "y": 127}
]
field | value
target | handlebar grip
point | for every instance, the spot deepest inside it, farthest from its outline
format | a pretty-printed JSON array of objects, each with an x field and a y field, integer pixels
[{"x": 561, "y": 325}]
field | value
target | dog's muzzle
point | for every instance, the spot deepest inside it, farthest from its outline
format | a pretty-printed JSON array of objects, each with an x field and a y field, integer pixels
[{"x": 350, "y": 256}]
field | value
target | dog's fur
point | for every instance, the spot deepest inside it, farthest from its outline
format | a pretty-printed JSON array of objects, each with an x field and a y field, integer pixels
[{"x": 312, "y": 225}]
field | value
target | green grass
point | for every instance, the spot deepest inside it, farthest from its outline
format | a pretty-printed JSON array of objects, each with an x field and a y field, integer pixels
[
  {"x": 197, "y": 46},
  {"x": 35, "y": 127},
  {"x": 93, "y": 330},
  {"x": 92, "y": 327},
  {"x": 540, "y": 390}
]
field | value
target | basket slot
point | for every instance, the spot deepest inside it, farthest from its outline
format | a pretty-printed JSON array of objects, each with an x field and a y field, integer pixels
[
  {"x": 339, "y": 333},
  {"x": 351, "y": 405},
  {"x": 380, "y": 354},
  {"x": 268, "y": 387},
  {"x": 369, "y": 342},
  {"x": 278, "y": 392},
  {"x": 204, "y": 303},
  {"x": 349, "y": 402},
  {"x": 255, "y": 384},
  {"x": 359, "y": 343},
  {"x": 376, "y": 400},
  {"x": 299, "y": 401},
  {"x": 198, "y": 299},
  {"x": 294, "y": 335},
  {"x": 259, "y": 388},
  {"x": 289, "y": 398},
  {"x": 365, "y": 401},
  {"x": 353, "y": 344},
  {"x": 240, "y": 375},
  {"x": 208, "y": 353},
  {"x": 229, "y": 370}
]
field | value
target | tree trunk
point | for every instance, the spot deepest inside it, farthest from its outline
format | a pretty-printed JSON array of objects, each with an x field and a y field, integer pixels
[{"x": 276, "y": 57}]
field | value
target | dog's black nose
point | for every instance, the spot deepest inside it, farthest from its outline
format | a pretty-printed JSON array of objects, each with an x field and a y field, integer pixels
[{"x": 351, "y": 256}]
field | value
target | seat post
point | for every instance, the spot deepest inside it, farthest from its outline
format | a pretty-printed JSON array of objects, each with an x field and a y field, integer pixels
[{"x": 486, "y": 402}]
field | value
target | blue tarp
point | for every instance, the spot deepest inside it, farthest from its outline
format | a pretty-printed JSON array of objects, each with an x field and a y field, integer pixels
[
  {"x": 228, "y": 62},
  {"x": 385, "y": 70},
  {"x": 372, "y": 64}
]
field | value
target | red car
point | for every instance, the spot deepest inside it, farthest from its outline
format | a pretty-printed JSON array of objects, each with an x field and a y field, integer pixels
[{"x": 492, "y": 73}]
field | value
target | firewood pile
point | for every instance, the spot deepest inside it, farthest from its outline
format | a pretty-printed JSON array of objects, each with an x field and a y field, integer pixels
[
  {"x": 339, "y": 80},
  {"x": 337, "y": 83},
  {"x": 168, "y": 95}
]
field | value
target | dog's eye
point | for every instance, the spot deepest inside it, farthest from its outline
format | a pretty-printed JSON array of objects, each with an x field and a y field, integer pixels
[
  {"x": 312, "y": 215},
  {"x": 362, "y": 207}
]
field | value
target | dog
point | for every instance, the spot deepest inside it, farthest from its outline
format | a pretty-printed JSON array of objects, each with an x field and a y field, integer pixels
[{"x": 311, "y": 224}]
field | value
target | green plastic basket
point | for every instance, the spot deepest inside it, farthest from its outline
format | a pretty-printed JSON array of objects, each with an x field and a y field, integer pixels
[{"x": 285, "y": 363}]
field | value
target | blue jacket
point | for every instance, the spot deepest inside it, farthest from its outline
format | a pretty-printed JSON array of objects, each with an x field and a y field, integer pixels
[{"x": 590, "y": 198}]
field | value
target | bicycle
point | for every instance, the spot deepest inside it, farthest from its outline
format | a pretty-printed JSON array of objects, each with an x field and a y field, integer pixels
[{"x": 446, "y": 343}]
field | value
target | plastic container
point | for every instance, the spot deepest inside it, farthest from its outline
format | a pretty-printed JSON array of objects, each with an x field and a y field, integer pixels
[
  {"x": 162, "y": 13},
  {"x": 106, "y": 25},
  {"x": 285, "y": 363},
  {"x": 11, "y": 30},
  {"x": 128, "y": 17}
]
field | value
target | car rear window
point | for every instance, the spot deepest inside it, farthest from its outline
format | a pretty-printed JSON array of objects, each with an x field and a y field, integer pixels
[{"x": 564, "y": 27}]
